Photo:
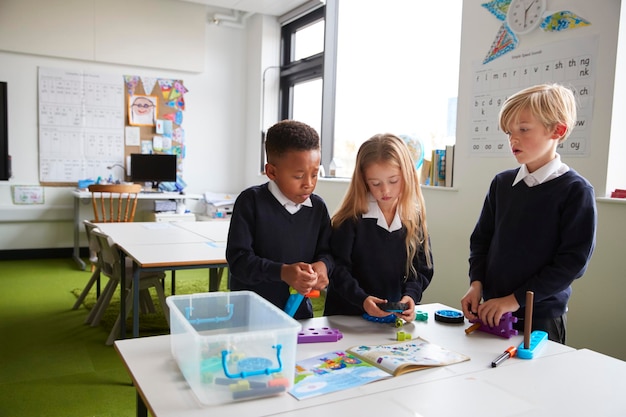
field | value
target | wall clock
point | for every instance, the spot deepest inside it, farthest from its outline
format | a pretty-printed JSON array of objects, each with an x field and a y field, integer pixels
[
  {"x": 525, "y": 15},
  {"x": 520, "y": 17}
]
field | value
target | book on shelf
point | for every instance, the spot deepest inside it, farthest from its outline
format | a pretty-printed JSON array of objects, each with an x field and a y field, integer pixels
[
  {"x": 359, "y": 365},
  {"x": 449, "y": 165},
  {"x": 438, "y": 168}
]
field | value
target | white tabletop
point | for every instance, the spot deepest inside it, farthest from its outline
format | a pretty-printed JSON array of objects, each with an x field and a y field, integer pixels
[
  {"x": 576, "y": 383},
  {"x": 167, "y": 195},
  {"x": 153, "y": 245},
  {"x": 131, "y": 233},
  {"x": 176, "y": 255},
  {"x": 215, "y": 230},
  {"x": 166, "y": 393}
]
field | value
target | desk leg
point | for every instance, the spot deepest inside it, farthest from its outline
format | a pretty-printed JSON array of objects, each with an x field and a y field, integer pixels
[
  {"x": 76, "y": 253},
  {"x": 142, "y": 410},
  {"x": 136, "y": 272},
  {"x": 123, "y": 297}
]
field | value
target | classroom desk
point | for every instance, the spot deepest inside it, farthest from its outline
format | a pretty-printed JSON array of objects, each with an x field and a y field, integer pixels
[
  {"x": 84, "y": 197},
  {"x": 166, "y": 247},
  {"x": 163, "y": 391},
  {"x": 215, "y": 230}
]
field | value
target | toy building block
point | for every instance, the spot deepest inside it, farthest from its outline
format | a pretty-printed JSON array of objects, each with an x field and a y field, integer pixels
[
  {"x": 319, "y": 334},
  {"x": 295, "y": 299},
  {"x": 402, "y": 336},
  {"x": 387, "y": 319},
  {"x": 538, "y": 340},
  {"x": 503, "y": 329},
  {"x": 421, "y": 315}
]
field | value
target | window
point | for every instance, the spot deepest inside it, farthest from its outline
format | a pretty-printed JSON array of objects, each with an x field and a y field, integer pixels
[
  {"x": 301, "y": 70},
  {"x": 382, "y": 68}
]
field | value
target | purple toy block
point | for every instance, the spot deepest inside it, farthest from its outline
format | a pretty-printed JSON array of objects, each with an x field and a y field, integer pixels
[
  {"x": 319, "y": 334},
  {"x": 503, "y": 329}
]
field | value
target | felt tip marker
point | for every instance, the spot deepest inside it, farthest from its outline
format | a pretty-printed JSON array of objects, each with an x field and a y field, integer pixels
[{"x": 509, "y": 353}]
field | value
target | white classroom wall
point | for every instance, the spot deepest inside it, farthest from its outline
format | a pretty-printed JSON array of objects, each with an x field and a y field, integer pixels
[{"x": 223, "y": 125}]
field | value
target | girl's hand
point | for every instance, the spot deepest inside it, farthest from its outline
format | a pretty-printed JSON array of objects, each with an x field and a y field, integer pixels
[
  {"x": 370, "y": 306},
  {"x": 407, "y": 315}
]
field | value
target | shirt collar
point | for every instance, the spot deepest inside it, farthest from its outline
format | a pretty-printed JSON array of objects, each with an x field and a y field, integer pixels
[
  {"x": 374, "y": 212},
  {"x": 549, "y": 171},
  {"x": 284, "y": 201}
]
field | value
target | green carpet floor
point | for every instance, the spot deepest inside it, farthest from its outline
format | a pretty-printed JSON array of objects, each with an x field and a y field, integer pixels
[{"x": 51, "y": 364}]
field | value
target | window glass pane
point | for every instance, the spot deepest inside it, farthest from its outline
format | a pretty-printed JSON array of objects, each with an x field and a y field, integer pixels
[
  {"x": 307, "y": 103},
  {"x": 397, "y": 72},
  {"x": 309, "y": 40}
]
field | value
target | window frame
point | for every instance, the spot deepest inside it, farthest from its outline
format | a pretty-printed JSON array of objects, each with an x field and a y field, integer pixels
[{"x": 318, "y": 66}]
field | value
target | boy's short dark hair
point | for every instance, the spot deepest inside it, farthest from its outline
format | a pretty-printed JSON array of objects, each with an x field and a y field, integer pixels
[{"x": 290, "y": 135}]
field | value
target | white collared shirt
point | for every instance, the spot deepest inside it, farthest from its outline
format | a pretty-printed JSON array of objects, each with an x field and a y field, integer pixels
[
  {"x": 553, "y": 169},
  {"x": 289, "y": 205},
  {"x": 374, "y": 212}
]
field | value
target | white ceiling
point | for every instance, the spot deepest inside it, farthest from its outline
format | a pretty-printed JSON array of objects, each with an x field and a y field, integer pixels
[{"x": 268, "y": 7}]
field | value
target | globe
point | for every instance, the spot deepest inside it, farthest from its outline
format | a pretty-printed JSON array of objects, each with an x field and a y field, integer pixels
[{"x": 416, "y": 148}]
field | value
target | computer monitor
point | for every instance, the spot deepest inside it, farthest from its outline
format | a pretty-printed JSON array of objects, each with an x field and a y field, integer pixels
[
  {"x": 154, "y": 168},
  {"x": 5, "y": 159}
]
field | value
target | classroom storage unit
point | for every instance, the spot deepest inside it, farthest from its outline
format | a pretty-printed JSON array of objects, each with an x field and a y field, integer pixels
[{"x": 232, "y": 345}]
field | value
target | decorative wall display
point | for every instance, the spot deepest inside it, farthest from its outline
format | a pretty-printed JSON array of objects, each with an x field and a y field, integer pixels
[
  {"x": 570, "y": 62},
  {"x": 520, "y": 17},
  {"x": 161, "y": 131},
  {"x": 88, "y": 122}
]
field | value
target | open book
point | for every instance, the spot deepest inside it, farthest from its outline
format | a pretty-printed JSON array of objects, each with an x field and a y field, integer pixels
[{"x": 359, "y": 365}]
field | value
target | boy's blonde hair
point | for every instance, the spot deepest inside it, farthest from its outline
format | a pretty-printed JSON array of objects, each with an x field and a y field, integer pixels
[
  {"x": 551, "y": 104},
  {"x": 388, "y": 148}
]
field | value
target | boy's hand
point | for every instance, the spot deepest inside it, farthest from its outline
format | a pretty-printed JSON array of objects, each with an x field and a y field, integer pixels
[
  {"x": 300, "y": 276},
  {"x": 322, "y": 275},
  {"x": 490, "y": 312},
  {"x": 471, "y": 300}
]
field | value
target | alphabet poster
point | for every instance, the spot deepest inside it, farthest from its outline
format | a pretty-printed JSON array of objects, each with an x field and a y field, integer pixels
[
  {"x": 81, "y": 124},
  {"x": 570, "y": 63}
]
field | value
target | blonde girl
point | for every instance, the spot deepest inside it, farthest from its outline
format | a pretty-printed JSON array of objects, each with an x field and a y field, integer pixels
[{"x": 379, "y": 238}]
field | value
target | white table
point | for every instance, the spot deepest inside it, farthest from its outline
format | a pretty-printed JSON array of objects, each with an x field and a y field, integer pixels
[
  {"x": 167, "y": 246},
  {"x": 215, "y": 229},
  {"x": 162, "y": 389},
  {"x": 81, "y": 195},
  {"x": 579, "y": 383}
]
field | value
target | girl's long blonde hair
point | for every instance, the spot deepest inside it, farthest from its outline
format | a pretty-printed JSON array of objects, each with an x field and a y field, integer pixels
[{"x": 389, "y": 149}]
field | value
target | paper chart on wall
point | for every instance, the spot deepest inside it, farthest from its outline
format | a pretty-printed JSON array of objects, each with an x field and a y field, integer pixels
[
  {"x": 81, "y": 124},
  {"x": 571, "y": 63}
]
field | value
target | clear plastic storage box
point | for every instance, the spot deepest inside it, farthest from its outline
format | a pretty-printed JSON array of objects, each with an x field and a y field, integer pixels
[{"x": 232, "y": 346}]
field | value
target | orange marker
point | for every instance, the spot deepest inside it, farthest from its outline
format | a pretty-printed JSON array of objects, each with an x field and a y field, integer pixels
[{"x": 509, "y": 353}]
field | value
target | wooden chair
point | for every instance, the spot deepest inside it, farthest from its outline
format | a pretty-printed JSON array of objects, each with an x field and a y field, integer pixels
[
  {"x": 111, "y": 266},
  {"x": 114, "y": 202},
  {"x": 111, "y": 203}
]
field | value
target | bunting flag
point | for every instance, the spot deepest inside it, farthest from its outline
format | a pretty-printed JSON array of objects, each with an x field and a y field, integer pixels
[
  {"x": 131, "y": 82},
  {"x": 178, "y": 104},
  {"x": 498, "y": 8},
  {"x": 504, "y": 42},
  {"x": 148, "y": 84},
  {"x": 563, "y": 20},
  {"x": 166, "y": 88},
  {"x": 175, "y": 117}
]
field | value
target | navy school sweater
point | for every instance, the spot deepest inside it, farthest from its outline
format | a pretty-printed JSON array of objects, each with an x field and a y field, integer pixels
[
  {"x": 534, "y": 238},
  {"x": 263, "y": 236}
]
